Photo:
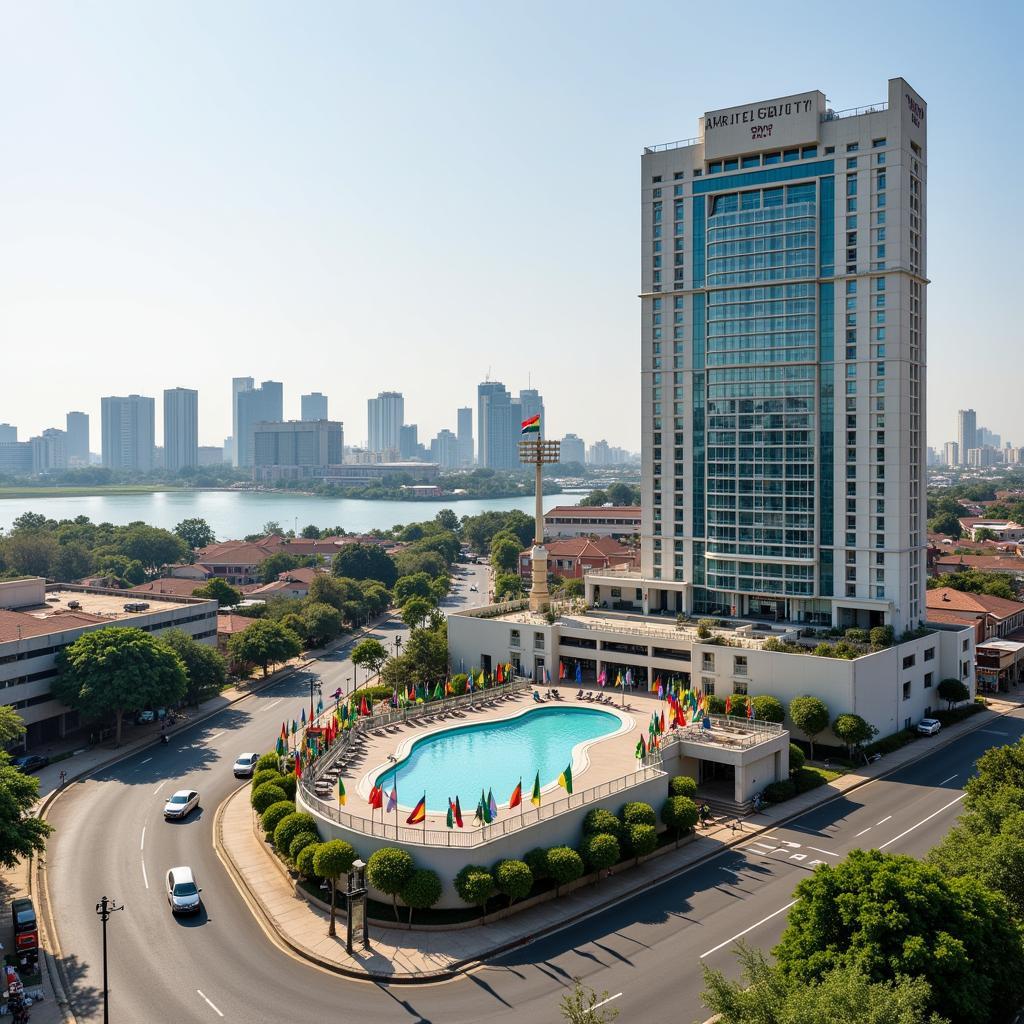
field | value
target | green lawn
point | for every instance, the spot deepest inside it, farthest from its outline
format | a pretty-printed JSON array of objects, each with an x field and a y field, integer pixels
[{"x": 83, "y": 492}]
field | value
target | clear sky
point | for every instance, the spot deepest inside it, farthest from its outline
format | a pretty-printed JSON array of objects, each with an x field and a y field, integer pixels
[{"x": 356, "y": 197}]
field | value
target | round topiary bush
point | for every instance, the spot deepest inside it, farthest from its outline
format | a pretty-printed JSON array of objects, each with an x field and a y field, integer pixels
[
  {"x": 270, "y": 760},
  {"x": 797, "y": 758},
  {"x": 263, "y": 796},
  {"x": 289, "y": 827},
  {"x": 777, "y": 792},
  {"x": 304, "y": 861},
  {"x": 288, "y": 784},
  {"x": 565, "y": 865},
  {"x": 387, "y": 870},
  {"x": 274, "y": 813},
  {"x": 421, "y": 890},
  {"x": 679, "y": 813},
  {"x": 300, "y": 842},
  {"x": 768, "y": 709},
  {"x": 600, "y": 820},
  {"x": 537, "y": 861},
  {"x": 475, "y": 885},
  {"x": 637, "y": 813},
  {"x": 682, "y": 785},
  {"x": 266, "y": 775},
  {"x": 602, "y": 851},
  {"x": 643, "y": 839},
  {"x": 513, "y": 878}
]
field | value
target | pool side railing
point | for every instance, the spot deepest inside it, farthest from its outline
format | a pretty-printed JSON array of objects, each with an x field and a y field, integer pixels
[{"x": 511, "y": 821}]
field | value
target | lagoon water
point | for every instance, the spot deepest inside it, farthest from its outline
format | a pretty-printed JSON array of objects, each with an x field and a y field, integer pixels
[{"x": 233, "y": 514}]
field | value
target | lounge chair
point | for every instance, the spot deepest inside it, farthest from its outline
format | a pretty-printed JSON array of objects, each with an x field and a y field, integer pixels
[
  {"x": 537, "y": 699},
  {"x": 579, "y": 693}
]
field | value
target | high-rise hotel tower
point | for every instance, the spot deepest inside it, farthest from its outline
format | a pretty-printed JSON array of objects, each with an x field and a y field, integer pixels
[{"x": 783, "y": 304}]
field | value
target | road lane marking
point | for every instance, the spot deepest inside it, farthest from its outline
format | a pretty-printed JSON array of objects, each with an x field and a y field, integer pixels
[
  {"x": 994, "y": 732},
  {"x": 950, "y": 779},
  {"x": 859, "y": 834},
  {"x": 142, "y": 842},
  {"x": 158, "y": 788},
  {"x": 274, "y": 705},
  {"x": 604, "y": 1001},
  {"x": 798, "y": 856},
  {"x": 144, "y": 878},
  {"x": 210, "y": 1004},
  {"x": 216, "y": 734},
  {"x": 884, "y": 820},
  {"x": 739, "y": 935},
  {"x": 923, "y": 820},
  {"x": 828, "y": 853},
  {"x": 146, "y": 761}
]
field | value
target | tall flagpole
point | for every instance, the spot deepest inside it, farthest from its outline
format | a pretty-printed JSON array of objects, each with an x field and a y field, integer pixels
[{"x": 536, "y": 452}]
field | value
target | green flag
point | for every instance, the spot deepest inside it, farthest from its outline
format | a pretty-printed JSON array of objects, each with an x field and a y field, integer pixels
[
  {"x": 535, "y": 795},
  {"x": 450, "y": 820},
  {"x": 565, "y": 779}
]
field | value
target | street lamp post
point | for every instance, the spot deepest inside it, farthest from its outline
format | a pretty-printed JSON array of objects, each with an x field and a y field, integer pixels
[
  {"x": 104, "y": 909},
  {"x": 398, "y": 646}
]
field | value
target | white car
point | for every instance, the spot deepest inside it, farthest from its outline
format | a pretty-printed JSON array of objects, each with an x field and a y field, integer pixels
[
  {"x": 929, "y": 726},
  {"x": 181, "y": 803},
  {"x": 182, "y": 891},
  {"x": 245, "y": 765}
]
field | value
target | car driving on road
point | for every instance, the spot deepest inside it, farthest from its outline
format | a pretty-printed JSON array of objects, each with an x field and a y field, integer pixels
[
  {"x": 182, "y": 891},
  {"x": 245, "y": 765},
  {"x": 181, "y": 803},
  {"x": 30, "y": 762},
  {"x": 929, "y": 726}
]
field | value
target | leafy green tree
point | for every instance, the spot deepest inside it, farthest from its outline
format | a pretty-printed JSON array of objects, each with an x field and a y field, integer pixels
[
  {"x": 636, "y": 812},
  {"x": 416, "y": 585},
  {"x": 118, "y": 669},
  {"x": 946, "y": 522},
  {"x": 273, "y": 565},
  {"x": 274, "y": 814},
  {"x": 375, "y": 596},
  {"x": 196, "y": 533},
  {"x": 272, "y": 528},
  {"x": 370, "y": 654},
  {"x": 448, "y": 519},
  {"x": 300, "y": 842},
  {"x": 332, "y": 860},
  {"x": 504, "y": 555},
  {"x": 290, "y": 826},
  {"x": 204, "y": 665},
  {"x": 388, "y": 870},
  {"x": 975, "y": 581},
  {"x": 22, "y": 834},
  {"x": 152, "y": 546},
  {"x": 537, "y": 861},
  {"x": 952, "y": 691},
  {"x": 893, "y": 916},
  {"x": 421, "y": 891},
  {"x": 31, "y": 553},
  {"x": 304, "y": 862},
  {"x": 311, "y": 532},
  {"x": 768, "y": 708},
  {"x": 127, "y": 570},
  {"x": 854, "y": 731},
  {"x": 643, "y": 839},
  {"x": 585, "y": 1006},
  {"x": 682, "y": 785},
  {"x": 322, "y": 622},
  {"x": 564, "y": 865},
  {"x": 415, "y": 611},
  {"x": 984, "y": 534},
  {"x": 602, "y": 851},
  {"x": 508, "y": 586},
  {"x": 264, "y": 643},
  {"x": 513, "y": 878},
  {"x": 219, "y": 590},
  {"x": 598, "y": 820},
  {"x": 810, "y": 716},
  {"x": 324, "y": 589},
  {"x": 475, "y": 885},
  {"x": 73, "y": 561},
  {"x": 679, "y": 813},
  {"x": 797, "y": 758},
  {"x": 845, "y": 995},
  {"x": 365, "y": 562},
  {"x": 11, "y": 725},
  {"x": 623, "y": 494}
]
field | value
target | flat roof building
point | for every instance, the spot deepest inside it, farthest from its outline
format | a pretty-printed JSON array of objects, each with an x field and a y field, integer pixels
[
  {"x": 181, "y": 429},
  {"x": 128, "y": 432}
]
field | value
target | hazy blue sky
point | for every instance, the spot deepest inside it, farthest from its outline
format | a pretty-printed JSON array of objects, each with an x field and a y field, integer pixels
[{"x": 349, "y": 198}]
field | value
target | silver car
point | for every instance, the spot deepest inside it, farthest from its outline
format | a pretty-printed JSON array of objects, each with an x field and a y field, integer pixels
[
  {"x": 245, "y": 765},
  {"x": 181, "y": 803},
  {"x": 182, "y": 891}
]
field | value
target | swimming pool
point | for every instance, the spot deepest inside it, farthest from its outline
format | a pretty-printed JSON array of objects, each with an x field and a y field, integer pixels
[{"x": 494, "y": 755}]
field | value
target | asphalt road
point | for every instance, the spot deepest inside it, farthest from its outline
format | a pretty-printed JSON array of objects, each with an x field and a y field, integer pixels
[{"x": 111, "y": 839}]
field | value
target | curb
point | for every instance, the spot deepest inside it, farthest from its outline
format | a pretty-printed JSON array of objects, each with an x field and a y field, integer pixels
[{"x": 464, "y": 966}]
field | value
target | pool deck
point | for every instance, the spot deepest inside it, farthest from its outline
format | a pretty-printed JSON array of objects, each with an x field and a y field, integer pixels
[{"x": 605, "y": 759}]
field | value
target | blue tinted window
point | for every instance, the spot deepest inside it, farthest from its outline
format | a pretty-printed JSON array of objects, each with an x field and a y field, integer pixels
[
  {"x": 809, "y": 151},
  {"x": 751, "y": 161},
  {"x": 731, "y": 165},
  {"x": 790, "y": 154},
  {"x": 773, "y": 197},
  {"x": 714, "y": 167},
  {"x": 750, "y": 200},
  {"x": 772, "y": 158}
]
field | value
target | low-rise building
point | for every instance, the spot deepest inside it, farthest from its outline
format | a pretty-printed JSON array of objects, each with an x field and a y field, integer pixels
[
  {"x": 999, "y": 616},
  {"x": 293, "y": 583},
  {"x": 571, "y": 558},
  {"x": 37, "y": 622},
  {"x": 999, "y": 664},
  {"x": 1001, "y": 529},
  {"x": 616, "y": 521}
]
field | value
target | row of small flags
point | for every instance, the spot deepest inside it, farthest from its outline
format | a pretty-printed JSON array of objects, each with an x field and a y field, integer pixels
[{"x": 486, "y": 809}]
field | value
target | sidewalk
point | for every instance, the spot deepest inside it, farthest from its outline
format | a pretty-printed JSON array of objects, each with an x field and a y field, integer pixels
[{"x": 399, "y": 954}]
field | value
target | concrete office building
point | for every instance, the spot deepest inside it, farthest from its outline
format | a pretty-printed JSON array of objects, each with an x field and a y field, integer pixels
[
  {"x": 211, "y": 455},
  {"x": 497, "y": 434},
  {"x": 530, "y": 404},
  {"x": 967, "y": 433},
  {"x": 15, "y": 457},
  {"x": 293, "y": 449},
  {"x": 951, "y": 453},
  {"x": 239, "y": 385},
  {"x": 464, "y": 429},
  {"x": 783, "y": 346},
  {"x": 444, "y": 450},
  {"x": 49, "y": 451},
  {"x": 181, "y": 429},
  {"x": 314, "y": 407},
  {"x": 128, "y": 432},
  {"x": 408, "y": 441},
  {"x": 385, "y": 416},
  {"x": 8, "y": 434},
  {"x": 77, "y": 429},
  {"x": 573, "y": 449},
  {"x": 264, "y": 404}
]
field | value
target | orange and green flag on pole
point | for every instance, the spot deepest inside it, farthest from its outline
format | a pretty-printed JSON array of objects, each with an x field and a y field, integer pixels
[
  {"x": 517, "y": 796},
  {"x": 535, "y": 795},
  {"x": 532, "y": 425},
  {"x": 565, "y": 779}
]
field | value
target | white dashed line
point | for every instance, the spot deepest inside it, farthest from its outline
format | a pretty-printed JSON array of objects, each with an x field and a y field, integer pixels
[
  {"x": 208, "y": 1003},
  {"x": 142, "y": 841},
  {"x": 884, "y": 820},
  {"x": 158, "y": 788},
  {"x": 950, "y": 779},
  {"x": 946, "y": 807},
  {"x": 828, "y": 853},
  {"x": 146, "y": 761},
  {"x": 144, "y": 878},
  {"x": 739, "y": 935},
  {"x": 274, "y": 705},
  {"x": 213, "y": 737},
  {"x": 859, "y": 834}
]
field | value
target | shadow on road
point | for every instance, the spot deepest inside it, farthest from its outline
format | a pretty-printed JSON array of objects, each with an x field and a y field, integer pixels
[{"x": 86, "y": 999}]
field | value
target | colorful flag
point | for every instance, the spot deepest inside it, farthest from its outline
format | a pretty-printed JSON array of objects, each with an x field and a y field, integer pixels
[
  {"x": 532, "y": 425},
  {"x": 618, "y": 678},
  {"x": 377, "y": 798},
  {"x": 535, "y": 795},
  {"x": 602, "y": 677},
  {"x": 641, "y": 749},
  {"x": 450, "y": 818},
  {"x": 561, "y": 671},
  {"x": 392, "y": 799},
  {"x": 485, "y": 809},
  {"x": 579, "y": 673},
  {"x": 342, "y": 796},
  {"x": 280, "y": 746},
  {"x": 458, "y": 812},
  {"x": 565, "y": 779},
  {"x": 750, "y": 710},
  {"x": 295, "y": 727},
  {"x": 492, "y": 807},
  {"x": 419, "y": 812},
  {"x": 728, "y": 705},
  {"x": 517, "y": 796},
  {"x": 500, "y": 673},
  {"x": 298, "y": 767},
  {"x": 661, "y": 723},
  {"x": 364, "y": 708}
]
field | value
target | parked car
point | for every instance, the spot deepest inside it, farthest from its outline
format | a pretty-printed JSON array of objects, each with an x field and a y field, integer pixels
[
  {"x": 182, "y": 891},
  {"x": 181, "y": 803},
  {"x": 245, "y": 765},
  {"x": 929, "y": 726},
  {"x": 26, "y": 928},
  {"x": 30, "y": 762}
]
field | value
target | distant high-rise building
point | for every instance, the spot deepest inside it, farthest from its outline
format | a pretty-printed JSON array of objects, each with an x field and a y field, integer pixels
[
  {"x": 15, "y": 456},
  {"x": 239, "y": 385},
  {"x": 127, "y": 426},
  {"x": 8, "y": 434},
  {"x": 496, "y": 433},
  {"x": 385, "y": 416},
  {"x": 967, "y": 433},
  {"x": 465, "y": 435},
  {"x": 531, "y": 404},
  {"x": 604, "y": 454},
  {"x": 295, "y": 448},
  {"x": 951, "y": 453},
  {"x": 211, "y": 455},
  {"x": 264, "y": 404},
  {"x": 573, "y": 449},
  {"x": 49, "y": 451},
  {"x": 444, "y": 450},
  {"x": 181, "y": 429},
  {"x": 987, "y": 438},
  {"x": 408, "y": 441},
  {"x": 229, "y": 451},
  {"x": 314, "y": 407},
  {"x": 77, "y": 424}
]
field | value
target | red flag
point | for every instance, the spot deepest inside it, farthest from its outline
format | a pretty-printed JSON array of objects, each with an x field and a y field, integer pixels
[
  {"x": 458, "y": 812},
  {"x": 298, "y": 767},
  {"x": 662, "y": 723},
  {"x": 501, "y": 674},
  {"x": 517, "y": 796},
  {"x": 363, "y": 707},
  {"x": 750, "y": 709},
  {"x": 561, "y": 671},
  {"x": 376, "y": 798},
  {"x": 728, "y": 705}
]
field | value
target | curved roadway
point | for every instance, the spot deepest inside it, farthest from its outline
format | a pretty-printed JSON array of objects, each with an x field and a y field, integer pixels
[{"x": 111, "y": 839}]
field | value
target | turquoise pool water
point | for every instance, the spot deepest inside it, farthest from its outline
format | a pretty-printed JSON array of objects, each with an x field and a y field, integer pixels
[{"x": 494, "y": 755}]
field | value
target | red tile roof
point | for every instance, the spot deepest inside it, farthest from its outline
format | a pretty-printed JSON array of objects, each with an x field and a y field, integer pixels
[
  {"x": 228, "y": 623},
  {"x": 594, "y": 511},
  {"x": 989, "y": 563},
  {"x": 19, "y": 625},
  {"x": 948, "y": 599}
]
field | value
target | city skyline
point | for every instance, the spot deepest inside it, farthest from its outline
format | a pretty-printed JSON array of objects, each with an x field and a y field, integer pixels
[{"x": 154, "y": 256}]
